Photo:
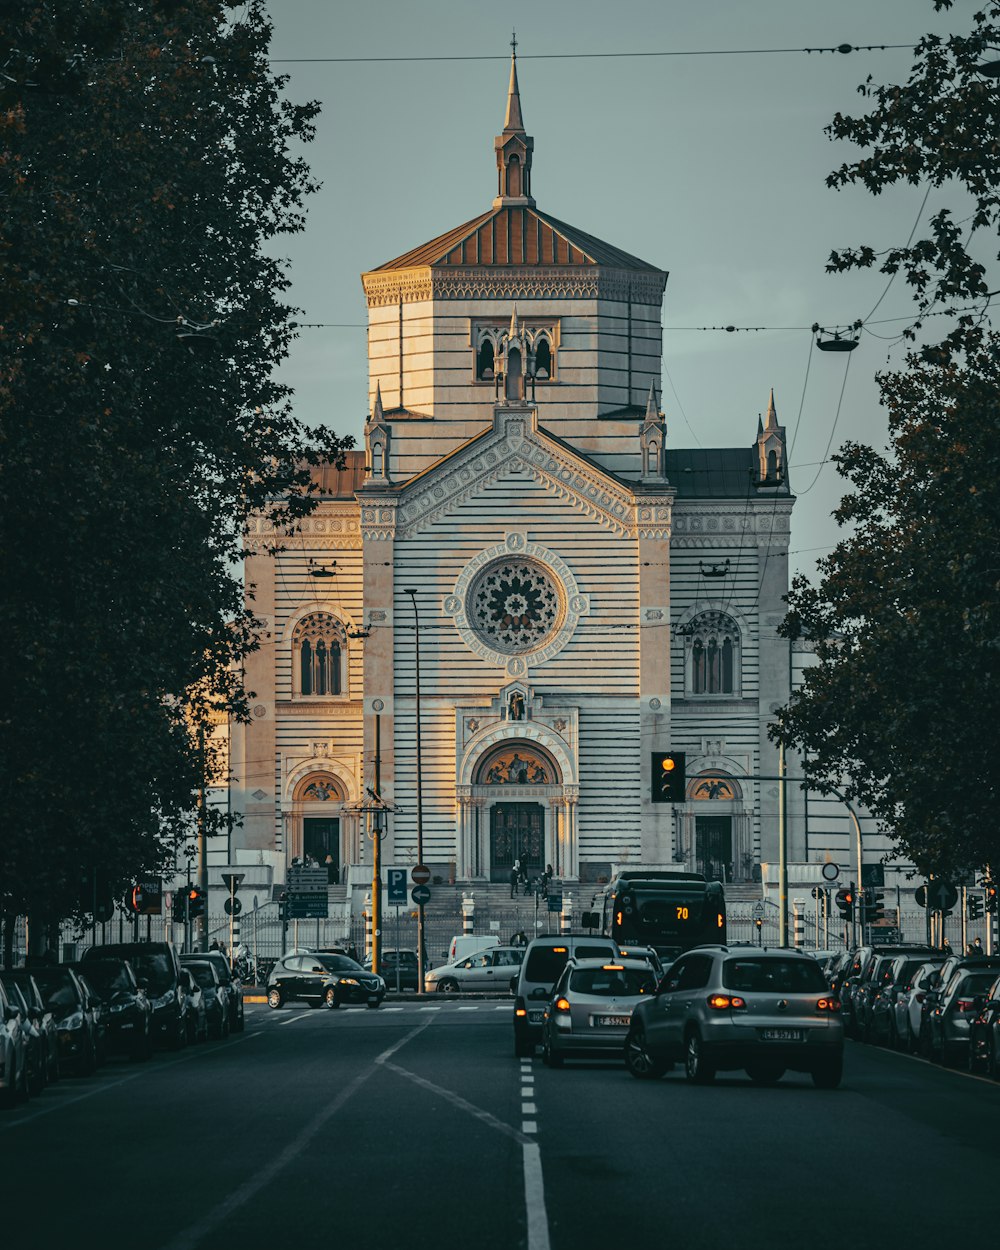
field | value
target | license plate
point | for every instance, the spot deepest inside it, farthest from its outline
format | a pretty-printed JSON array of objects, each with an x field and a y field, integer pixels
[
  {"x": 612, "y": 1022},
  {"x": 781, "y": 1035},
  {"x": 536, "y": 1017}
]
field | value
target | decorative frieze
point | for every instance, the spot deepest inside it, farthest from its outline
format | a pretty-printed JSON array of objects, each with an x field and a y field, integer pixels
[{"x": 411, "y": 286}]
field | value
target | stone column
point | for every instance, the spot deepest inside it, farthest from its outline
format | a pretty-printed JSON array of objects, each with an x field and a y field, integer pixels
[
  {"x": 571, "y": 867},
  {"x": 653, "y": 514}
]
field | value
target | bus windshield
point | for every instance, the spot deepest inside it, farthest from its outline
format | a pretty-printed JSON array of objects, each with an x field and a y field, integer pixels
[{"x": 670, "y": 916}]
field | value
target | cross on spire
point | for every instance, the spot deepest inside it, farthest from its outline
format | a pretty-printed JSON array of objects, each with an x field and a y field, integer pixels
[{"x": 513, "y": 43}]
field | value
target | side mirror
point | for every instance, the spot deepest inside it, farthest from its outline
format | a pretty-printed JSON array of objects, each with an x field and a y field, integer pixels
[
  {"x": 11, "y": 1013},
  {"x": 317, "y": 968}
]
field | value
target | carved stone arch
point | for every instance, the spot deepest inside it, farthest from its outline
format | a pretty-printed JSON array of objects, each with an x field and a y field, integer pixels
[
  {"x": 713, "y": 605},
  {"x": 721, "y": 816},
  {"x": 302, "y": 774},
  {"x": 483, "y": 743}
]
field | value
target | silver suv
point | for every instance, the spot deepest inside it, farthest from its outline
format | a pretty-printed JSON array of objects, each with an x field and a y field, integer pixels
[{"x": 720, "y": 1009}]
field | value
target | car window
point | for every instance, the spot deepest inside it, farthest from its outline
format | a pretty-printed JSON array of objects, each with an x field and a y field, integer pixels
[
  {"x": 612, "y": 983},
  {"x": 777, "y": 976},
  {"x": 482, "y": 960},
  {"x": 672, "y": 980},
  {"x": 338, "y": 963},
  {"x": 975, "y": 983},
  {"x": 57, "y": 988},
  {"x": 108, "y": 978},
  {"x": 594, "y": 952},
  {"x": 545, "y": 963},
  {"x": 696, "y": 972},
  {"x": 14, "y": 997},
  {"x": 203, "y": 975},
  {"x": 508, "y": 958}
]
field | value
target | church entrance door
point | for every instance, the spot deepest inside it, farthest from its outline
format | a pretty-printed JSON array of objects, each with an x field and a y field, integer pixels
[
  {"x": 517, "y": 831},
  {"x": 714, "y": 843},
  {"x": 321, "y": 839}
]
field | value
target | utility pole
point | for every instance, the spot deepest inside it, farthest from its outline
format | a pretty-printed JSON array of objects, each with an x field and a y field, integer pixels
[
  {"x": 202, "y": 844},
  {"x": 377, "y": 816},
  {"x": 412, "y": 592}
]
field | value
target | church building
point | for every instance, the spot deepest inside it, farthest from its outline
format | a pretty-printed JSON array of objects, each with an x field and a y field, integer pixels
[{"x": 523, "y": 589}]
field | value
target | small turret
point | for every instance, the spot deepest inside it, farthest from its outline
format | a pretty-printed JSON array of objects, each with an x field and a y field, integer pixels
[
  {"x": 771, "y": 454},
  {"x": 513, "y": 147},
  {"x": 652, "y": 440},
  {"x": 377, "y": 435}
]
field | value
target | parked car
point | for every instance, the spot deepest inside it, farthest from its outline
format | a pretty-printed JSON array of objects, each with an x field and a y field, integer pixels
[
  {"x": 490, "y": 969},
  {"x": 591, "y": 1008},
  {"x": 962, "y": 998},
  {"x": 158, "y": 971},
  {"x": 13, "y": 1053},
  {"x": 214, "y": 997},
  {"x": 761, "y": 1010},
  {"x": 42, "y": 1016},
  {"x": 984, "y": 1035},
  {"x": 936, "y": 986},
  {"x": 398, "y": 968},
  {"x": 231, "y": 985},
  {"x": 854, "y": 991},
  {"x": 908, "y": 1006},
  {"x": 126, "y": 1007},
  {"x": 27, "y": 1038},
  {"x": 196, "y": 1010},
  {"x": 323, "y": 980},
  {"x": 544, "y": 960},
  {"x": 74, "y": 1017},
  {"x": 890, "y": 979},
  {"x": 98, "y": 1011}
]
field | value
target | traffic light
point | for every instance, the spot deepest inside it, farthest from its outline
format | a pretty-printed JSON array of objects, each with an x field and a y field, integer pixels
[
  {"x": 991, "y": 898},
  {"x": 283, "y": 906},
  {"x": 669, "y": 780},
  {"x": 180, "y": 906},
  {"x": 974, "y": 907},
  {"x": 196, "y": 901},
  {"x": 875, "y": 905},
  {"x": 845, "y": 903}
]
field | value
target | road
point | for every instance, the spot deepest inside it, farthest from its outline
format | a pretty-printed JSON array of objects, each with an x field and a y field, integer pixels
[{"x": 415, "y": 1126}]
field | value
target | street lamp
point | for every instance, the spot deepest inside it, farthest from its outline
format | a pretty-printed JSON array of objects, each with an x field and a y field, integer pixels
[{"x": 412, "y": 592}]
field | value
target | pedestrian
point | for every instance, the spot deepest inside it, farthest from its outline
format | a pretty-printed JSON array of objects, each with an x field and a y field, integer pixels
[
  {"x": 213, "y": 945},
  {"x": 946, "y": 948},
  {"x": 515, "y": 877},
  {"x": 546, "y": 880},
  {"x": 522, "y": 877},
  {"x": 520, "y": 938},
  {"x": 977, "y": 946}
]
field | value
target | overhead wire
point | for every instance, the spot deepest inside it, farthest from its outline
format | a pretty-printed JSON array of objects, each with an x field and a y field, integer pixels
[{"x": 843, "y": 49}]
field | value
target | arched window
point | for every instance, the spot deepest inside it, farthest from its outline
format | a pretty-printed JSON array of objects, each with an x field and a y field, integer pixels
[
  {"x": 543, "y": 360},
  {"x": 514, "y": 177},
  {"x": 514, "y": 374},
  {"x": 484, "y": 360},
  {"x": 319, "y": 649},
  {"x": 713, "y": 640},
  {"x": 772, "y": 466}
]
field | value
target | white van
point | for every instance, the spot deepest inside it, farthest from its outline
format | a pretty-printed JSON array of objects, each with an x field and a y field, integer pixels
[{"x": 468, "y": 943}]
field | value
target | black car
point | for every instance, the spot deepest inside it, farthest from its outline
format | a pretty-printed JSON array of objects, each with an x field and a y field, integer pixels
[
  {"x": 35, "y": 1043},
  {"x": 40, "y": 1015},
  {"x": 66, "y": 998},
  {"x": 125, "y": 1007},
  {"x": 984, "y": 1034},
  {"x": 214, "y": 998},
  {"x": 323, "y": 980},
  {"x": 158, "y": 971},
  {"x": 231, "y": 984}
]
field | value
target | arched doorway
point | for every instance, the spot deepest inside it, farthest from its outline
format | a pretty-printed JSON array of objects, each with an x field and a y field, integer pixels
[
  {"x": 514, "y": 777},
  {"x": 720, "y": 827},
  {"x": 318, "y": 801}
]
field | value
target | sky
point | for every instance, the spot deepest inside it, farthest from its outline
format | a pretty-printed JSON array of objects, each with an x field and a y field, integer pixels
[{"x": 709, "y": 166}]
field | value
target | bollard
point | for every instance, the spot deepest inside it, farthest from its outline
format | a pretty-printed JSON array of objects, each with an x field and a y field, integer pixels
[
  {"x": 799, "y": 923},
  {"x": 369, "y": 920},
  {"x": 566, "y": 915},
  {"x": 468, "y": 914}
]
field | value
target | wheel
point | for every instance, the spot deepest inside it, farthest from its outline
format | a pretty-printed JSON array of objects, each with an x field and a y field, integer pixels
[
  {"x": 375, "y": 1005},
  {"x": 550, "y": 1056},
  {"x": 827, "y": 1075},
  {"x": 643, "y": 1064},
  {"x": 524, "y": 1047},
  {"x": 330, "y": 999},
  {"x": 765, "y": 1073},
  {"x": 275, "y": 998},
  {"x": 994, "y": 1063},
  {"x": 697, "y": 1070},
  {"x": 88, "y": 1060},
  {"x": 448, "y": 986},
  {"x": 893, "y": 1042},
  {"x": 239, "y": 1024}
]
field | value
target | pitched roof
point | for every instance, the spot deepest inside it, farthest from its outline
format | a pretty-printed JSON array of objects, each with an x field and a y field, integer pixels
[
  {"x": 337, "y": 483},
  {"x": 518, "y": 234},
  {"x": 711, "y": 472}
]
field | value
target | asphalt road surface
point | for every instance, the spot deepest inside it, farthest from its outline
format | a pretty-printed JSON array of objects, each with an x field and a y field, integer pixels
[{"x": 416, "y": 1126}]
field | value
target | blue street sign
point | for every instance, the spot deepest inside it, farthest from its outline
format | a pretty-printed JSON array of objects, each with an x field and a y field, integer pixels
[
  {"x": 555, "y": 902},
  {"x": 421, "y": 894},
  {"x": 395, "y": 894}
]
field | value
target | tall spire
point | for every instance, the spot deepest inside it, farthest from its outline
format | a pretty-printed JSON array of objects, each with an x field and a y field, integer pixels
[
  {"x": 772, "y": 416},
  {"x": 513, "y": 147},
  {"x": 513, "y": 120}
]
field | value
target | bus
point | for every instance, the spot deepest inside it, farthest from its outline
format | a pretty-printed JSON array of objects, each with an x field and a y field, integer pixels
[{"x": 669, "y": 911}]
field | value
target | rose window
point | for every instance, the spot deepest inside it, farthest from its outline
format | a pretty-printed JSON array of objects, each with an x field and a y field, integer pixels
[{"x": 514, "y": 605}]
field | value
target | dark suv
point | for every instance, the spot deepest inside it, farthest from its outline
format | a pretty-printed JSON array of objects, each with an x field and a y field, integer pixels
[
  {"x": 158, "y": 971},
  {"x": 720, "y": 1009}
]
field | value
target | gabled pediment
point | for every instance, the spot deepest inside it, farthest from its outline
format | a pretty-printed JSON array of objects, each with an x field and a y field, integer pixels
[{"x": 516, "y": 444}]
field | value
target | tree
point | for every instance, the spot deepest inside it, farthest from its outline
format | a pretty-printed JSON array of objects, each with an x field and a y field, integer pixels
[
  {"x": 905, "y": 620},
  {"x": 941, "y": 127},
  {"x": 148, "y": 167}
]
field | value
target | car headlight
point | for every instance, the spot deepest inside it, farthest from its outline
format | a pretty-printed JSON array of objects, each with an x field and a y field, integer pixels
[
  {"x": 117, "y": 1008},
  {"x": 349, "y": 981},
  {"x": 75, "y": 1021}
]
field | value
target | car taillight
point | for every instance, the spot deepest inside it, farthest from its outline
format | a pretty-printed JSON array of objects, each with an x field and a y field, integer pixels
[
  {"x": 725, "y": 1002},
  {"x": 519, "y": 1011},
  {"x": 561, "y": 1004},
  {"x": 828, "y": 1004},
  {"x": 965, "y": 1004}
]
